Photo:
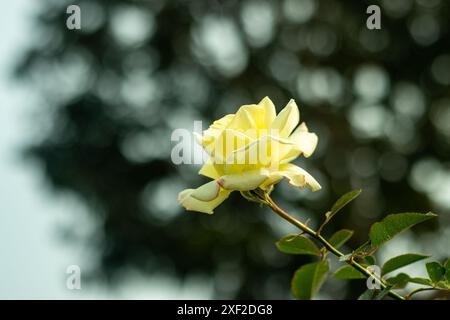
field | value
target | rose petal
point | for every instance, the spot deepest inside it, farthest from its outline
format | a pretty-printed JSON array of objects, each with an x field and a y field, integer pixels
[
  {"x": 244, "y": 181},
  {"x": 211, "y": 171},
  {"x": 263, "y": 151},
  {"x": 228, "y": 141},
  {"x": 269, "y": 111},
  {"x": 287, "y": 119},
  {"x": 190, "y": 203},
  {"x": 273, "y": 178},
  {"x": 304, "y": 142},
  {"x": 298, "y": 177},
  {"x": 216, "y": 129},
  {"x": 249, "y": 119},
  {"x": 207, "y": 192}
]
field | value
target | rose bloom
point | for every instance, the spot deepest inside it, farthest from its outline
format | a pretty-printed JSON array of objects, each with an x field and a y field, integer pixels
[{"x": 251, "y": 149}]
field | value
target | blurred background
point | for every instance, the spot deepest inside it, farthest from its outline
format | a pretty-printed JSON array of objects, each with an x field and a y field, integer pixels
[{"x": 86, "y": 118}]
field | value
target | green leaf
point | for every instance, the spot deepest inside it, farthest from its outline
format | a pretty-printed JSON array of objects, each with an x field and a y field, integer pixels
[
  {"x": 382, "y": 294},
  {"x": 340, "y": 237},
  {"x": 297, "y": 244},
  {"x": 370, "y": 260},
  {"x": 363, "y": 247},
  {"x": 399, "y": 281},
  {"x": 447, "y": 270},
  {"x": 401, "y": 261},
  {"x": 423, "y": 281},
  {"x": 348, "y": 273},
  {"x": 342, "y": 202},
  {"x": 374, "y": 294},
  {"x": 369, "y": 294},
  {"x": 393, "y": 224},
  {"x": 435, "y": 271},
  {"x": 308, "y": 279}
]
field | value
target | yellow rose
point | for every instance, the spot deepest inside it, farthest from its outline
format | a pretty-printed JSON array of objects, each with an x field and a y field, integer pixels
[{"x": 251, "y": 149}]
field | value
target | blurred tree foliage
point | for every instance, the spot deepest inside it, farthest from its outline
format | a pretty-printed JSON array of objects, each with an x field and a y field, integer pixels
[{"x": 114, "y": 91}]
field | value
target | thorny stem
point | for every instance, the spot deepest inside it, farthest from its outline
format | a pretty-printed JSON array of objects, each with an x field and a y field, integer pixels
[{"x": 315, "y": 234}]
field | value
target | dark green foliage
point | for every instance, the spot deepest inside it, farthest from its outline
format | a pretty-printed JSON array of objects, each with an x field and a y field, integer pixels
[
  {"x": 308, "y": 279},
  {"x": 297, "y": 244},
  {"x": 394, "y": 224},
  {"x": 401, "y": 261}
]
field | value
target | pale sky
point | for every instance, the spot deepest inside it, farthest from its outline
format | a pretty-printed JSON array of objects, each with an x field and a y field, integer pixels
[{"x": 33, "y": 258}]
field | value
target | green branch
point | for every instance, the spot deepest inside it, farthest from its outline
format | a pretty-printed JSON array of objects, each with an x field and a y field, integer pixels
[{"x": 316, "y": 235}]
